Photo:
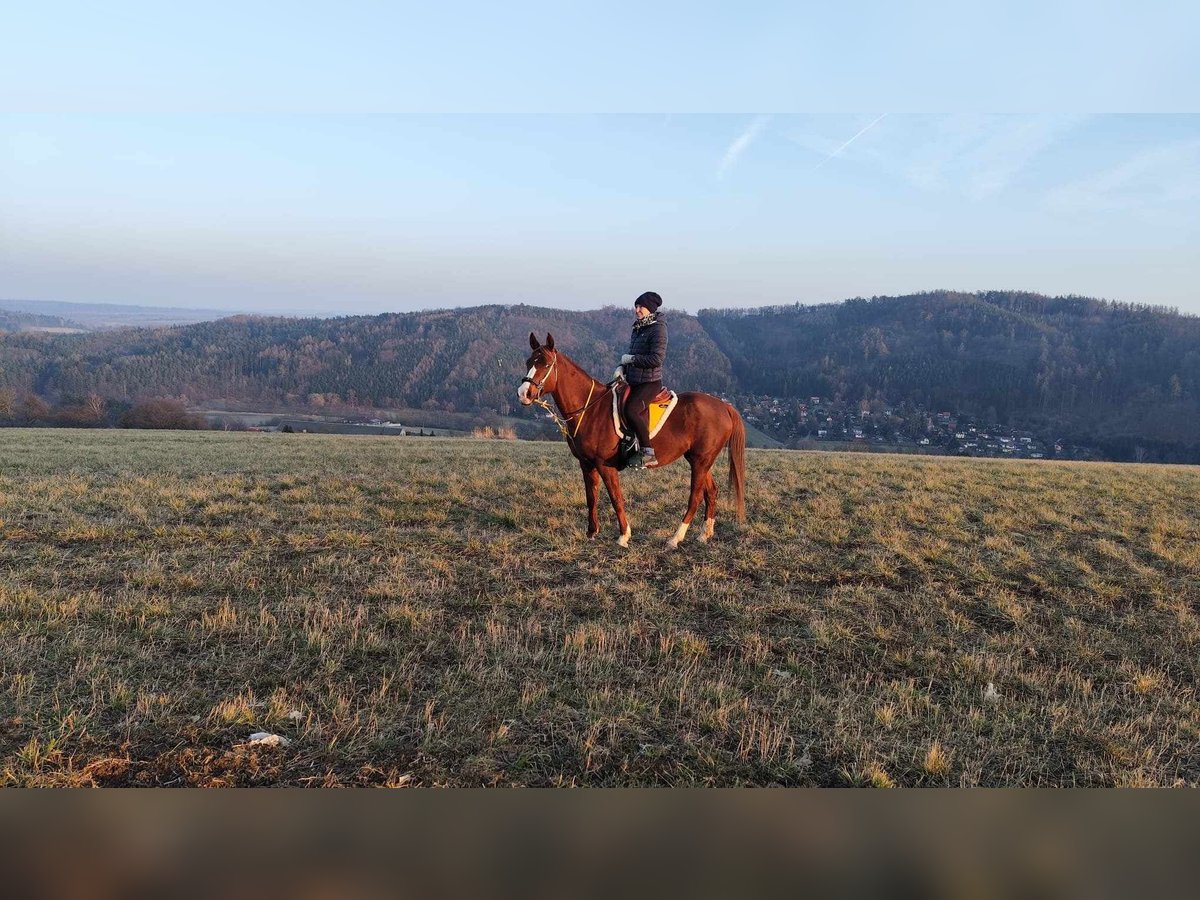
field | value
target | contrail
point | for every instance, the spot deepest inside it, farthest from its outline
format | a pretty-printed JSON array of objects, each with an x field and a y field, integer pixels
[{"x": 848, "y": 143}]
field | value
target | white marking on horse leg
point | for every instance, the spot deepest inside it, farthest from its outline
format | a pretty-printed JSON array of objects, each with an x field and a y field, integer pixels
[
  {"x": 623, "y": 540},
  {"x": 679, "y": 533},
  {"x": 709, "y": 525}
]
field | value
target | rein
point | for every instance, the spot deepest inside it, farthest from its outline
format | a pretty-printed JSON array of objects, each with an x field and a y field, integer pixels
[
  {"x": 563, "y": 421},
  {"x": 589, "y": 403}
]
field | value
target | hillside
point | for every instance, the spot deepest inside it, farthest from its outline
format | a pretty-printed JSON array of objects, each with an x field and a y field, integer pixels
[
  {"x": 429, "y": 613},
  {"x": 1099, "y": 372},
  {"x": 454, "y": 361},
  {"x": 1123, "y": 378}
]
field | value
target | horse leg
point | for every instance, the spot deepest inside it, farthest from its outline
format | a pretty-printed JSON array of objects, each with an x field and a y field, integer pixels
[
  {"x": 710, "y": 506},
  {"x": 699, "y": 475},
  {"x": 612, "y": 481},
  {"x": 591, "y": 486}
]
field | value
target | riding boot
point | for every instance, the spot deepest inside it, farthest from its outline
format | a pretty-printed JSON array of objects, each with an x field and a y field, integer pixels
[{"x": 636, "y": 459}]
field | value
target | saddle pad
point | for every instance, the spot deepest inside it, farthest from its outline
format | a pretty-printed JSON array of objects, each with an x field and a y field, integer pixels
[{"x": 659, "y": 411}]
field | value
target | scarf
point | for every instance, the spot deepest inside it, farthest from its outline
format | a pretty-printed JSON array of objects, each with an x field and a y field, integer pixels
[{"x": 639, "y": 324}]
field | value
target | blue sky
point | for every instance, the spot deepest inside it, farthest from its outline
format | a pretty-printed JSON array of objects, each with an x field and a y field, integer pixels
[
  {"x": 589, "y": 56},
  {"x": 364, "y": 213}
]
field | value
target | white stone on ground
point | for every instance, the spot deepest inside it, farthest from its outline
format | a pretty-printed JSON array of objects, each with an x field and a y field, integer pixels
[{"x": 266, "y": 739}]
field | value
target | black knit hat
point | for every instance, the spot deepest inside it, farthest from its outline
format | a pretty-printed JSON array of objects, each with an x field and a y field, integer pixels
[{"x": 650, "y": 300}]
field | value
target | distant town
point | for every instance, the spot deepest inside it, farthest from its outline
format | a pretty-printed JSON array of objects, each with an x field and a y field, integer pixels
[{"x": 818, "y": 422}]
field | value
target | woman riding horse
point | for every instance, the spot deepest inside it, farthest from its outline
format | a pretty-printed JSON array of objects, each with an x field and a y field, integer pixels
[
  {"x": 643, "y": 370},
  {"x": 700, "y": 427}
]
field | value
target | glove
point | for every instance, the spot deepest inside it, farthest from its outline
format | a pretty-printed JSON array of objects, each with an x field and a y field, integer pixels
[
  {"x": 620, "y": 373},
  {"x": 626, "y": 359}
]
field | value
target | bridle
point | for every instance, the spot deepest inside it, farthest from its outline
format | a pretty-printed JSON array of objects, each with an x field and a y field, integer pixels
[
  {"x": 563, "y": 421},
  {"x": 545, "y": 378}
]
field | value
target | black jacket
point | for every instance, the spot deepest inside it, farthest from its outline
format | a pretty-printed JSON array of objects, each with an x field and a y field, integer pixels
[{"x": 648, "y": 347}]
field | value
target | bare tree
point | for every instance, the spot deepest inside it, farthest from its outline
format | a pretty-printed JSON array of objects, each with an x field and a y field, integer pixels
[{"x": 96, "y": 406}]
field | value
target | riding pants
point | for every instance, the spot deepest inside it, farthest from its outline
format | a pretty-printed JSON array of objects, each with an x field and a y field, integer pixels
[{"x": 637, "y": 409}]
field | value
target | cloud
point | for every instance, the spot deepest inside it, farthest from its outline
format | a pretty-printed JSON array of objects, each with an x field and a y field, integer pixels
[
  {"x": 1166, "y": 175},
  {"x": 953, "y": 138},
  {"x": 741, "y": 144},
  {"x": 974, "y": 156},
  {"x": 1010, "y": 149}
]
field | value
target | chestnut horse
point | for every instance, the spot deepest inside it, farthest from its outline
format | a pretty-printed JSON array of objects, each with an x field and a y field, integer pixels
[{"x": 699, "y": 428}]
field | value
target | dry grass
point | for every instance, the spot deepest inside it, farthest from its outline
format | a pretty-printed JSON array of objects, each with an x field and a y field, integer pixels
[{"x": 428, "y": 612}]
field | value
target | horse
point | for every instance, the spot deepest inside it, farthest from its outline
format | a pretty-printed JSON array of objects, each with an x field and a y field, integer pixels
[{"x": 698, "y": 429}]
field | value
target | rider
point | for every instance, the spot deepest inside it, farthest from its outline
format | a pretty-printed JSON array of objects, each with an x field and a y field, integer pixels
[{"x": 643, "y": 369}]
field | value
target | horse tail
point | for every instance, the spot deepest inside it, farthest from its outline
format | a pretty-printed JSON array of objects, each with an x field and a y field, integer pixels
[{"x": 737, "y": 462}]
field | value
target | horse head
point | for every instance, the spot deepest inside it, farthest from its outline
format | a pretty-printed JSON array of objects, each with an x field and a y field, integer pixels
[{"x": 542, "y": 377}]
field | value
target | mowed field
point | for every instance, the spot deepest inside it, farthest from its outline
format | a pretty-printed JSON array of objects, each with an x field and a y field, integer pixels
[{"x": 428, "y": 612}]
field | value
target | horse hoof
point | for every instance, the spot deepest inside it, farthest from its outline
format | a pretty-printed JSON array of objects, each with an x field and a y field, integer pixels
[{"x": 623, "y": 540}]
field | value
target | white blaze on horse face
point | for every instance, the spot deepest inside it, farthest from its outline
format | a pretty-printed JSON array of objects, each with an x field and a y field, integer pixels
[{"x": 523, "y": 390}]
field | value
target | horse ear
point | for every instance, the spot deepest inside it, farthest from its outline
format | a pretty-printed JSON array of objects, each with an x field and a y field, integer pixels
[
  {"x": 549, "y": 341},
  {"x": 533, "y": 341}
]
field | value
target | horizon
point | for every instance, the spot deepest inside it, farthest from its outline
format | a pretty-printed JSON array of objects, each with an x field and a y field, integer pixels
[{"x": 17, "y": 304}]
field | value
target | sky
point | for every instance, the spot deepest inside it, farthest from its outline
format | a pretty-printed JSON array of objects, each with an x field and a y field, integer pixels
[
  {"x": 575, "y": 56},
  {"x": 360, "y": 157}
]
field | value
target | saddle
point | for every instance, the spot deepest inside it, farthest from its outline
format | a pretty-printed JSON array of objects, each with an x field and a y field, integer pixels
[
  {"x": 660, "y": 408},
  {"x": 664, "y": 396}
]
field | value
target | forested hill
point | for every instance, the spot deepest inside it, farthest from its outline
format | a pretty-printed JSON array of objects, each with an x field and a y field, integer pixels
[
  {"x": 464, "y": 360},
  {"x": 1084, "y": 369},
  {"x": 1093, "y": 369}
]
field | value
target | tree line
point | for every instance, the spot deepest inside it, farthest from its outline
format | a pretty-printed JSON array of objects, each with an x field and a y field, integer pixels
[
  {"x": 31, "y": 411},
  {"x": 1094, "y": 370}
]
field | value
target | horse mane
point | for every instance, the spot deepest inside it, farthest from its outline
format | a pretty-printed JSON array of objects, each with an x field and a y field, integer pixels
[{"x": 563, "y": 358}]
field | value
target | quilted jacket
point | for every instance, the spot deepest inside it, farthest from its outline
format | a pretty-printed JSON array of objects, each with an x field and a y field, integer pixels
[{"x": 648, "y": 347}]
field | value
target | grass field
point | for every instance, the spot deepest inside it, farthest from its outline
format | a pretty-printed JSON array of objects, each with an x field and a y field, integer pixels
[{"x": 428, "y": 612}]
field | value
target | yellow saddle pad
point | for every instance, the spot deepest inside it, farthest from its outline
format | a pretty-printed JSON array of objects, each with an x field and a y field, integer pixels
[{"x": 660, "y": 408}]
